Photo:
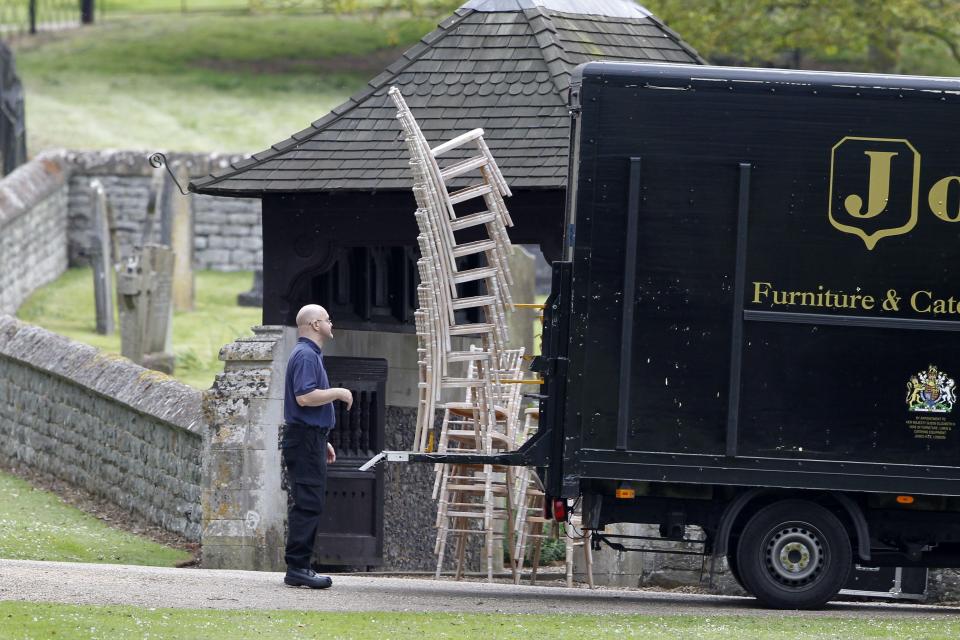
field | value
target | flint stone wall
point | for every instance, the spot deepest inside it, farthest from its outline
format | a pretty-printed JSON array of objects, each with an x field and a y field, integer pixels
[
  {"x": 127, "y": 434},
  {"x": 227, "y": 231},
  {"x": 409, "y": 507},
  {"x": 33, "y": 238}
]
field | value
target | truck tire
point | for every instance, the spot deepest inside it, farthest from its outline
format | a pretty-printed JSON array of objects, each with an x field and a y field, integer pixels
[{"x": 794, "y": 554}]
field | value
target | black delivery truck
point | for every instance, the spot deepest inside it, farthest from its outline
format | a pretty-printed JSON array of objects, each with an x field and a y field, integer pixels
[{"x": 754, "y": 327}]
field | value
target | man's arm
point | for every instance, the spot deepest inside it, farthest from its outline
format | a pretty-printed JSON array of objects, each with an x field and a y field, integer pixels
[{"x": 319, "y": 397}]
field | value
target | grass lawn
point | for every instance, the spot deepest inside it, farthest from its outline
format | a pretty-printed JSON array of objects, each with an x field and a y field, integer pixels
[
  {"x": 37, "y": 525},
  {"x": 204, "y": 82},
  {"x": 29, "y": 620},
  {"x": 197, "y": 336}
]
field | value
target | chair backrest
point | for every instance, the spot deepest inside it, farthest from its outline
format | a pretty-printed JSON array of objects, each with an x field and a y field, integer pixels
[{"x": 420, "y": 149}]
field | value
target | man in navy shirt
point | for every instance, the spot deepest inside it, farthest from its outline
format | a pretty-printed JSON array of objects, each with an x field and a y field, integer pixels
[{"x": 308, "y": 418}]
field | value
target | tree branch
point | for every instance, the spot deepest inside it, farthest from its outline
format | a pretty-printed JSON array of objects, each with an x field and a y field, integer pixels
[{"x": 943, "y": 36}]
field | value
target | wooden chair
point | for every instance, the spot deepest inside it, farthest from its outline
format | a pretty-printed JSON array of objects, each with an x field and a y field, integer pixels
[{"x": 491, "y": 187}]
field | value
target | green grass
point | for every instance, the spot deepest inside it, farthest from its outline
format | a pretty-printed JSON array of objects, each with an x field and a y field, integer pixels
[
  {"x": 29, "y": 620},
  {"x": 200, "y": 83},
  {"x": 37, "y": 525},
  {"x": 197, "y": 336},
  {"x": 162, "y": 6}
]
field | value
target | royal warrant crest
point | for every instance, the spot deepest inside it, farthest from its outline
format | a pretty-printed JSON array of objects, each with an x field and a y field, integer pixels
[{"x": 931, "y": 391}]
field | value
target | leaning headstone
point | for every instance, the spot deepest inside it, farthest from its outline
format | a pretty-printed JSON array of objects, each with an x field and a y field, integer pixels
[
  {"x": 158, "y": 332},
  {"x": 101, "y": 258},
  {"x": 132, "y": 293},
  {"x": 178, "y": 217},
  {"x": 254, "y": 297},
  {"x": 144, "y": 289}
]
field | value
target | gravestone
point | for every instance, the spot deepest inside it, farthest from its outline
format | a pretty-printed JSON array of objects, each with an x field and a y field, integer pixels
[
  {"x": 154, "y": 205},
  {"x": 144, "y": 290},
  {"x": 159, "y": 329},
  {"x": 101, "y": 258},
  {"x": 254, "y": 297},
  {"x": 177, "y": 216}
]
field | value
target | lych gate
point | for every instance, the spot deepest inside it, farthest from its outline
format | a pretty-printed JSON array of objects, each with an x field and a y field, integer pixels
[{"x": 338, "y": 225}]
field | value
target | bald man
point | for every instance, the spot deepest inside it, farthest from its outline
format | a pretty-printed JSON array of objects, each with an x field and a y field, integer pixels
[{"x": 308, "y": 418}]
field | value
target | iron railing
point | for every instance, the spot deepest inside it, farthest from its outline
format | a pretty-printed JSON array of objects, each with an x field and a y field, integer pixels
[{"x": 25, "y": 17}]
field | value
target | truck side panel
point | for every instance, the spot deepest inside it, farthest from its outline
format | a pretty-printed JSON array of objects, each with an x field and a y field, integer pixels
[{"x": 849, "y": 195}]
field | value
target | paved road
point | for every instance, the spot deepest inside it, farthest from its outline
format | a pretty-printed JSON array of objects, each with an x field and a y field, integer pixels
[{"x": 199, "y": 588}]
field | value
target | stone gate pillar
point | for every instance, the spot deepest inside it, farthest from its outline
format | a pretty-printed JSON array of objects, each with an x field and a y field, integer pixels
[{"x": 244, "y": 507}]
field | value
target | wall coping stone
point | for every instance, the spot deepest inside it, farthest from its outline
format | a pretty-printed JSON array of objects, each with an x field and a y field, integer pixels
[
  {"x": 115, "y": 377},
  {"x": 131, "y": 162},
  {"x": 30, "y": 184}
]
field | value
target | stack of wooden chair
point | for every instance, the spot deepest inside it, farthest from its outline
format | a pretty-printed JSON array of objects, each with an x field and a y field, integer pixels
[
  {"x": 532, "y": 527},
  {"x": 465, "y": 366}
]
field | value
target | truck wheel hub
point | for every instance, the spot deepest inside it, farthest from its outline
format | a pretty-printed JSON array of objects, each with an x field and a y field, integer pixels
[{"x": 794, "y": 555}]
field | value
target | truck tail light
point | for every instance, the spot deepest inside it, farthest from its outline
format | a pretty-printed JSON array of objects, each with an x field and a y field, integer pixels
[
  {"x": 559, "y": 510},
  {"x": 905, "y": 499}
]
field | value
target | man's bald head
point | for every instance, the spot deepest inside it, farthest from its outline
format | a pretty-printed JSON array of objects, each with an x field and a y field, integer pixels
[
  {"x": 311, "y": 313},
  {"x": 314, "y": 322}
]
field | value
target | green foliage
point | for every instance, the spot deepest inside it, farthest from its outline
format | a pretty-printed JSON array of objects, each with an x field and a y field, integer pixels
[
  {"x": 868, "y": 35},
  {"x": 37, "y": 525},
  {"x": 30, "y": 620},
  {"x": 197, "y": 336},
  {"x": 553, "y": 550}
]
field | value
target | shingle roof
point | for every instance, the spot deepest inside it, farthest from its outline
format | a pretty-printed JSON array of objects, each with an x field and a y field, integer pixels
[{"x": 503, "y": 65}]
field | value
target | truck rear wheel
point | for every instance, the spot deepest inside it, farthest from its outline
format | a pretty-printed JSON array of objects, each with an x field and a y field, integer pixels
[{"x": 794, "y": 555}]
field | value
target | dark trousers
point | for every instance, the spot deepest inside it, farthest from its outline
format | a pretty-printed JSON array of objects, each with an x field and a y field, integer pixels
[{"x": 305, "y": 456}]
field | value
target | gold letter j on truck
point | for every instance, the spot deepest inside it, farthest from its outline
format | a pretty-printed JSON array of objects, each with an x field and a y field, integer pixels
[{"x": 874, "y": 187}]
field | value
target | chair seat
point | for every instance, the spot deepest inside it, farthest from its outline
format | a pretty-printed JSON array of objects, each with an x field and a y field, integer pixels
[
  {"x": 454, "y": 383},
  {"x": 478, "y": 486},
  {"x": 500, "y": 441},
  {"x": 465, "y": 410},
  {"x": 467, "y": 356}
]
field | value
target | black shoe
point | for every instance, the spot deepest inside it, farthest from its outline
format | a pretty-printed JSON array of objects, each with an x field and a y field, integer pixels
[{"x": 306, "y": 578}]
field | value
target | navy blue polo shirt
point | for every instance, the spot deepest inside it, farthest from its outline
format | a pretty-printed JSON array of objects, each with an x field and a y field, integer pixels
[{"x": 305, "y": 372}]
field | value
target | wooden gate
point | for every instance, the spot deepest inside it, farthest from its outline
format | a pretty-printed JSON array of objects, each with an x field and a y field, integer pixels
[{"x": 351, "y": 531}]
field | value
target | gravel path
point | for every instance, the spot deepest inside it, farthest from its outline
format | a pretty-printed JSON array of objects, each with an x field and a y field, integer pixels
[{"x": 200, "y": 588}]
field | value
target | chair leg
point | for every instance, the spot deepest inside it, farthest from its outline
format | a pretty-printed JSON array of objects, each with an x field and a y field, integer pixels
[
  {"x": 488, "y": 500},
  {"x": 461, "y": 546},
  {"x": 535, "y": 563},
  {"x": 588, "y": 555},
  {"x": 509, "y": 522}
]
